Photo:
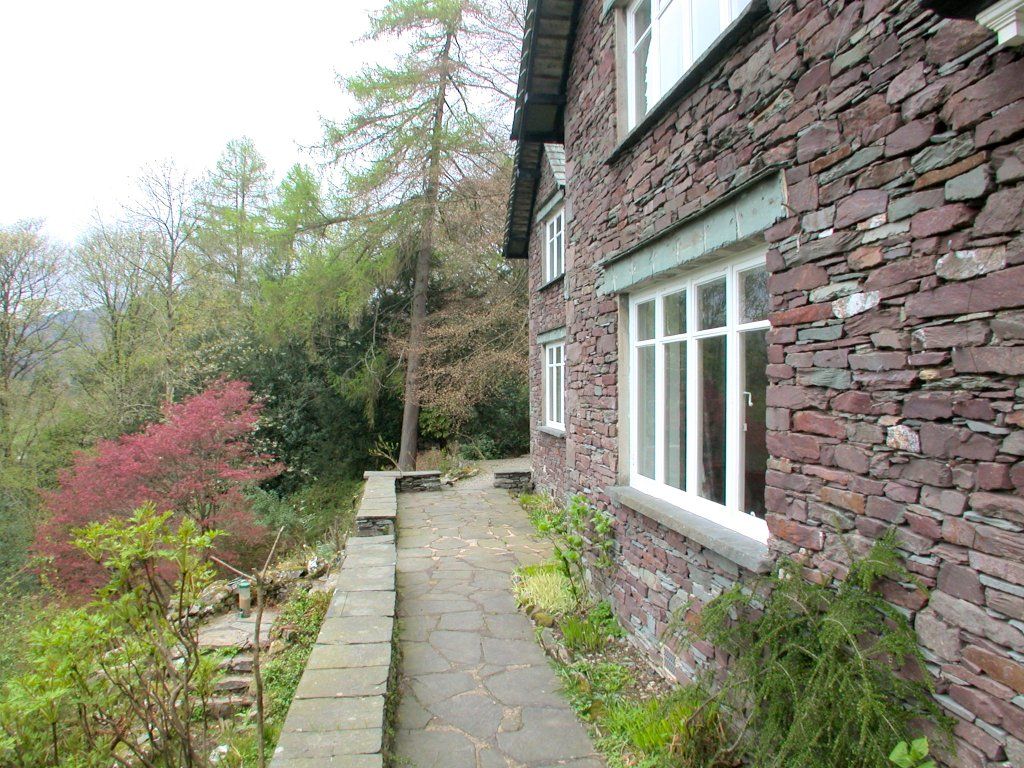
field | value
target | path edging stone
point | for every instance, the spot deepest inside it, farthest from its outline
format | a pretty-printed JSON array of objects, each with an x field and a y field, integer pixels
[{"x": 339, "y": 714}]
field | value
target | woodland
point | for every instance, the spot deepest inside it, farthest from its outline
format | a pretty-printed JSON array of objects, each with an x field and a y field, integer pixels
[{"x": 222, "y": 360}]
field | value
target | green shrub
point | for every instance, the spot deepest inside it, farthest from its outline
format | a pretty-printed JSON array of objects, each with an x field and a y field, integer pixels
[
  {"x": 817, "y": 667},
  {"x": 123, "y": 675},
  {"x": 544, "y": 587}
]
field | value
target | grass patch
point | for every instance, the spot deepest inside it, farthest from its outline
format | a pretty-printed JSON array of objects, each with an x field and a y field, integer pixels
[
  {"x": 544, "y": 588},
  {"x": 684, "y": 729},
  {"x": 300, "y": 618}
]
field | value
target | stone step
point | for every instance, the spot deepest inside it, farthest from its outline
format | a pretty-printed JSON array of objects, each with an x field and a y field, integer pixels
[
  {"x": 234, "y": 684},
  {"x": 226, "y": 706},
  {"x": 240, "y": 662}
]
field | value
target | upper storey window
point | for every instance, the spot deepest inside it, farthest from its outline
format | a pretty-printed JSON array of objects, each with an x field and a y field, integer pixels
[
  {"x": 554, "y": 245},
  {"x": 664, "y": 39}
]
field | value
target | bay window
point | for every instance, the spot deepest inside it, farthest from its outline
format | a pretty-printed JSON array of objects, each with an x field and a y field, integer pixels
[
  {"x": 698, "y": 380},
  {"x": 554, "y": 385},
  {"x": 554, "y": 245},
  {"x": 663, "y": 40}
]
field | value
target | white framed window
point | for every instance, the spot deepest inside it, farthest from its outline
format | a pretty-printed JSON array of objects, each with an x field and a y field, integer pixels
[
  {"x": 663, "y": 39},
  {"x": 698, "y": 380},
  {"x": 554, "y": 385},
  {"x": 554, "y": 245}
]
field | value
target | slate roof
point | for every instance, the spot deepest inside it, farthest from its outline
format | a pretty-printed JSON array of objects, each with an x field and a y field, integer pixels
[{"x": 540, "y": 110}]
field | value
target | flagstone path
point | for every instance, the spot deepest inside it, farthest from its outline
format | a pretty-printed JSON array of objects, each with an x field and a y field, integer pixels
[{"x": 476, "y": 689}]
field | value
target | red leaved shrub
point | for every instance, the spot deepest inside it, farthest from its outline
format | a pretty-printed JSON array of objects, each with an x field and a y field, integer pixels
[{"x": 195, "y": 462}]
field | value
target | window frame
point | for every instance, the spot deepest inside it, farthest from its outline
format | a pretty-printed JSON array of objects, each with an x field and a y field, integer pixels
[
  {"x": 728, "y": 13},
  {"x": 729, "y": 515},
  {"x": 554, "y": 385},
  {"x": 554, "y": 244}
]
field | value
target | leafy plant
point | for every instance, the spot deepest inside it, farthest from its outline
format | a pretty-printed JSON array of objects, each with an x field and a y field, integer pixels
[
  {"x": 121, "y": 680},
  {"x": 572, "y": 530},
  {"x": 912, "y": 755},
  {"x": 818, "y": 668},
  {"x": 546, "y": 588}
]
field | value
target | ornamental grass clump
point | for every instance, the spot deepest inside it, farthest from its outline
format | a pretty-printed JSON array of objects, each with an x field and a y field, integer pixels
[{"x": 826, "y": 675}]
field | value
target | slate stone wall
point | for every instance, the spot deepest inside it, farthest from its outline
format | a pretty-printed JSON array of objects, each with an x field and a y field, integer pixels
[
  {"x": 548, "y": 309},
  {"x": 897, "y": 348}
]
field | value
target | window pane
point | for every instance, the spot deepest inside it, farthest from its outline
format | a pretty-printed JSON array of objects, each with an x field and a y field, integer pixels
[
  {"x": 711, "y": 304},
  {"x": 711, "y": 386},
  {"x": 675, "y": 313},
  {"x": 641, "y": 80},
  {"x": 754, "y": 295},
  {"x": 707, "y": 24},
  {"x": 675, "y": 414},
  {"x": 560, "y": 390},
  {"x": 670, "y": 47},
  {"x": 641, "y": 18},
  {"x": 645, "y": 411},
  {"x": 755, "y": 452},
  {"x": 645, "y": 320}
]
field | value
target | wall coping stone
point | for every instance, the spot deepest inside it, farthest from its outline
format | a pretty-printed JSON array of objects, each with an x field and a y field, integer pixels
[
  {"x": 338, "y": 714},
  {"x": 740, "y": 549}
]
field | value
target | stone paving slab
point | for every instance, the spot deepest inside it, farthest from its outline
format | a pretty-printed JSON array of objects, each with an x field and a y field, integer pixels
[
  {"x": 357, "y": 681},
  {"x": 476, "y": 689},
  {"x": 335, "y": 714},
  {"x": 332, "y": 761},
  {"x": 356, "y": 630},
  {"x": 349, "y": 656},
  {"x": 293, "y": 745},
  {"x": 380, "y": 603}
]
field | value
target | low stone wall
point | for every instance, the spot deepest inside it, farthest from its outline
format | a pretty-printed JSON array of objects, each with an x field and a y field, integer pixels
[
  {"x": 406, "y": 482},
  {"x": 520, "y": 481},
  {"x": 338, "y": 715}
]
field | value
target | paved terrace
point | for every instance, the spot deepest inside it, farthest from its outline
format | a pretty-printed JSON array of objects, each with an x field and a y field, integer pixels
[{"x": 476, "y": 689}]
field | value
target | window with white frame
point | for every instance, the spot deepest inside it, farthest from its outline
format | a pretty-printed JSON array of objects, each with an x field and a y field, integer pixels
[
  {"x": 554, "y": 385},
  {"x": 698, "y": 359},
  {"x": 663, "y": 40},
  {"x": 554, "y": 245}
]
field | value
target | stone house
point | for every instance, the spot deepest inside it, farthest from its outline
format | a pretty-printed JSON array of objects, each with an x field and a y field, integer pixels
[{"x": 777, "y": 306}]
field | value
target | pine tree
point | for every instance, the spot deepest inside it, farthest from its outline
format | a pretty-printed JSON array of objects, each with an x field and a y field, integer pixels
[{"x": 422, "y": 129}]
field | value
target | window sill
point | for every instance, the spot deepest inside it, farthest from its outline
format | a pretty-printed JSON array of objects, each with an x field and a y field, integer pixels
[
  {"x": 740, "y": 549},
  {"x": 692, "y": 77},
  {"x": 553, "y": 281},
  {"x": 552, "y": 431}
]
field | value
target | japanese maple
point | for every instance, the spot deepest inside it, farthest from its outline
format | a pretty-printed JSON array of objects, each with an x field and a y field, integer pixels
[{"x": 197, "y": 461}]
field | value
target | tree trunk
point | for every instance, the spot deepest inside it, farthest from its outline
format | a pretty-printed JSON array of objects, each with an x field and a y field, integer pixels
[{"x": 424, "y": 254}]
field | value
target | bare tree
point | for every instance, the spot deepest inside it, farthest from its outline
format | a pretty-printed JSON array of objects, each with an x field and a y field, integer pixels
[
  {"x": 166, "y": 210},
  {"x": 32, "y": 327},
  {"x": 115, "y": 284}
]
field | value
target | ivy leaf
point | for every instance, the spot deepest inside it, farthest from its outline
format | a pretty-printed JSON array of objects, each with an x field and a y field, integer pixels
[
  {"x": 919, "y": 749},
  {"x": 901, "y": 756}
]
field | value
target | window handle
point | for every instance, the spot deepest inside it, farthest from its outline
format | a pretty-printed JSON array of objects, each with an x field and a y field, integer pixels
[{"x": 750, "y": 399}]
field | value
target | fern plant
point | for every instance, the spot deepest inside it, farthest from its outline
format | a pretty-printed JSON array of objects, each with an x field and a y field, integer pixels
[{"x": 827, "y": 675}]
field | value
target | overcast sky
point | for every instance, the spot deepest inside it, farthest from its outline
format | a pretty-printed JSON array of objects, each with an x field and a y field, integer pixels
[{"x": 94, "y": 90}]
